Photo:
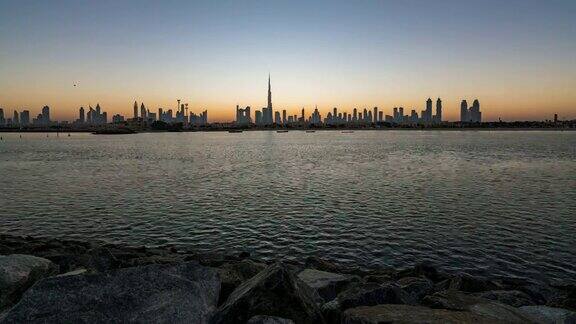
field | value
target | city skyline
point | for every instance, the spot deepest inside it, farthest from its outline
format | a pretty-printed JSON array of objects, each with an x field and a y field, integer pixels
[{"x": 516, "y": 57}]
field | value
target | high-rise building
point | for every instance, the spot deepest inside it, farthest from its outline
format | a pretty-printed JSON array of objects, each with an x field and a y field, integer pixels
[
  {"x": 142, "y": 111},
  {"x": 268, "y": 115},
  {"x": 25, "y": 118},
  {"x": 46, "y": 115},
  {"x": 284, "y": 121},
  {"x": 277, "y": 118},
  {"x": 414, "y": 116},
  {"x": 81, "y": 115},
  {"x": 2, "y": 119},
  {"x": 243, "y": 116},
  {"x": 438, "y": 116},
  {"x": 16, "y": 118},
  {"x": 472, "y": 114},
  {"x": 475, "y": 114},
  {"x": 258, "y": 117},
  {"x": 375, "y": 115},
  {"x": 464, "y": 112},
  {"x": 135, "y": 110},
  {"x": 428, "y": 112}
]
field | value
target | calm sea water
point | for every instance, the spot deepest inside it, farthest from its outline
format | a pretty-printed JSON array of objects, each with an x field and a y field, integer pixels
[{"x": 489, "y": 203}]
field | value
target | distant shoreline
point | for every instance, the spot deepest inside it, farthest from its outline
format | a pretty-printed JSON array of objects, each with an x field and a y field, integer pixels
[{"x": 473, "y": 129}]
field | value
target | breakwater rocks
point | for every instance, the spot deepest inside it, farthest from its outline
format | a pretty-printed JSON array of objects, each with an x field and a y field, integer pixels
[{"x": 55, "y": 281}]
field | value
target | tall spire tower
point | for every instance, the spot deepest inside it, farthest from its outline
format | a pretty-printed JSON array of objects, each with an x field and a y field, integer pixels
[
  {"x": 269, "y": 94},
  {"x": 268, "y": 115}
]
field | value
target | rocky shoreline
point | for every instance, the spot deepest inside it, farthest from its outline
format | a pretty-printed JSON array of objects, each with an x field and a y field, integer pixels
[{"x": 54, "y": 281}]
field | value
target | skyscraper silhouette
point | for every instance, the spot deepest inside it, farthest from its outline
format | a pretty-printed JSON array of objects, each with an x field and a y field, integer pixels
[
  {"x": 464, "y": 112},
  {"x": 269, "y": 114},
  {"x": 438, "y": 117}
]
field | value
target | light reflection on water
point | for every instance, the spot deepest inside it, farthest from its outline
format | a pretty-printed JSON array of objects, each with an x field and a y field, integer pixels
[{"x": 501, "y": 203}]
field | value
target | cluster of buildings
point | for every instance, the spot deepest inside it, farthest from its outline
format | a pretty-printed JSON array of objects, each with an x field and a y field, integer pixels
[
  {"x": 22, "y": 119},
  {"x": 267, "y": 117},
  {"x": 168, "y": 116},
  {"x": 143, "y": 117},
  {"x": 472, "y": 114},
  {"x": 93, "y": 117}
]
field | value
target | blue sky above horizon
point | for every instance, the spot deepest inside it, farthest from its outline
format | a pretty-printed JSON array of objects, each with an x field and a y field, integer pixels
[{"x": 517, "y": 57}]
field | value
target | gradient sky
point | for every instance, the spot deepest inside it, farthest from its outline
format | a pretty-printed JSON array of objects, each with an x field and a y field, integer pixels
[{"x": 518, "y": 57}]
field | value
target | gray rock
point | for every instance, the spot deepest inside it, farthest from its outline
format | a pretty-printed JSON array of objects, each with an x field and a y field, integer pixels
[
  {"x": 95, "y": 260},
  {"x": 184, "y": 293},
  {"x": 407, "y": 314},
  {"x": 19, "y": 272},
  {"x": 513, "y": 298},
  {"x": 367, "y": 294},
  {"x": 235, "y": 273},
  {"x": 455, "y": 300},
  {"x": 417, "y": 288},
  {"x": 326, "y": 284},
  {"x": 467, "y": 283},
  {"x": 425, "y": 270},
  {"x": 275, "y": 291},
  {"x": 74, "y": 272},
  {"x": 262, "y": 319},
  {"x": 549, "y": 315}
]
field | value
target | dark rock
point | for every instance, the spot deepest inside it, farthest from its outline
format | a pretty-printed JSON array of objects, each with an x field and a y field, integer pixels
[
  {"x": 407, "y": 314},
  {"x": 367, "y": 294},
  {"x": 513, "y": 298},
  {"x": 262, "y": 319},
  {"x": 322, "y": 265},
  {"x": 417, "y": 288},
  {"x": 549, "y": 315},
  {"x": 326, "y": 284},
  {"x": 379, "y": 278},
  {"x": 275, "y": 291},
  {"x": 425, "y": 270},
  {"x": 95, "y": 260},
  {"x": 467, "y": 283},
  {"x": 455, "y": 300},
  {"x": 234, "y": 274},
  {"x": 19, "y": 272},
  {"x": 185, "y": 293}
]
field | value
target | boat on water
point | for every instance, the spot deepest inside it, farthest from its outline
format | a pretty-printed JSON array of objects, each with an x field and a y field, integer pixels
[
  {"x": 348, "y": 131},
  {"x": 310, "y": 131},
  {"x": 282, "y": 131},
  {"x": 235, "y": 131}
]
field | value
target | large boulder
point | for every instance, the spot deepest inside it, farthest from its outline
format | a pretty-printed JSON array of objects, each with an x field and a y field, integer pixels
[
  {"x": 455, "y": 300},
  {"x": 19, "y": 272},
  {"x": 98, "y": 259},
  {"x": 514, "y": 298},
  {"x": 407, "y": 314},
  {"x": 426, "y": 270},
  {"x": 233, "y": 274},
  {"x": 549, "y": 315},
  {"x": 275, "y": 291},
  {"x": 366, "y": 294},
  {"x": 326, "y": 284},
  {"x": 467, "y": 283},
  {"x": 184, "y": 293},
  {"x": 416, "y": 287}
]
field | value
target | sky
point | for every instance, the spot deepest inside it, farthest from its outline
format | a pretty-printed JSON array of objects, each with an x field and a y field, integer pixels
[{"x": 518, "y": 57}]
